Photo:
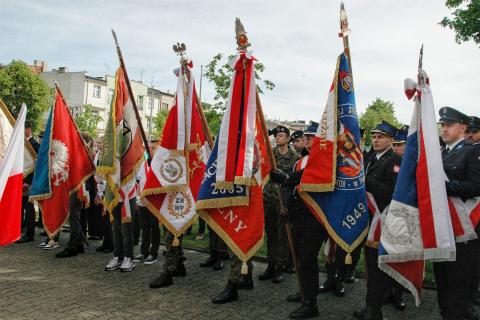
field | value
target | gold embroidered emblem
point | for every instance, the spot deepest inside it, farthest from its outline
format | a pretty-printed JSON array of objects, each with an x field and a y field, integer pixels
[
  {"x": 171, "y": 170},
  {"x": 179, "y": 204}
]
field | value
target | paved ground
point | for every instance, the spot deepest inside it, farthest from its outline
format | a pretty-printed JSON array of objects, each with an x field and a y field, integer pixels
[{"x": 36, "y": 285}]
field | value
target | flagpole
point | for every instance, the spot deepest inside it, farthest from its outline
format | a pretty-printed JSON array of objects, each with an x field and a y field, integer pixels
[
  {"x": 132, "y": 97},
  {"x": 60, "y": 93},
  {"x": 243, "y": 44},
  {"x": 344, "y": 32}
]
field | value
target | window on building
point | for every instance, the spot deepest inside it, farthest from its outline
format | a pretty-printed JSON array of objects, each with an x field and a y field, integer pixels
[
  {"x": 97, "y": 90},
  {"x": 140, "y": 102},
  {"x": 110, "y": 96},
  {"x": 164, "y": 105},
  {"x": 150, "y": 103}
]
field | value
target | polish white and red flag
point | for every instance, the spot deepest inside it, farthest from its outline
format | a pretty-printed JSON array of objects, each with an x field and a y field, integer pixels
[
  {"x": 11, "y": 183},
  {"x": 178, "y": 165},
  {"x": 418, "y": 224}
]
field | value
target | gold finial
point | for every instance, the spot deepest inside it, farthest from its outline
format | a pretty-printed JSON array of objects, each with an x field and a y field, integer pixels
[
  {"x": 344, "y": 30},
  {"x": 241, "y": 35}
]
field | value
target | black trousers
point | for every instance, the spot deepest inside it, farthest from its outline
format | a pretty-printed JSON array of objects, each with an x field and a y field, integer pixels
[
  {"x": 378, "y": 281},
  {"x": 94, "y": 220},
  {"x": 107, "y": 231},
  {"x": 309, "y": 238},
  {"x": 77, "y": 235},
  {"x": 150, "y": 233},
  {"x": 28, "y": 212},
  {"x": 454, "y": 281}
]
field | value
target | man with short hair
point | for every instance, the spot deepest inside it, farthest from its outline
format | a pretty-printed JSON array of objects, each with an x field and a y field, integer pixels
[
  {"x": 381, "y": 170},
  {"x": 461, "y": 163},
  {"x": 472, "y": 134},
  {"x": 277, "y": 244},
  {"x": 298, "y": 141}
]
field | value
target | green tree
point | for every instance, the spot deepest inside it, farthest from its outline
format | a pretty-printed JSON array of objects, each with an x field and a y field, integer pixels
[
  {"x": 19, "y": 84},
  {"x": 220, "y": 73},
  {"x": 87, "y": 121},
  {"x": 465, "y": 21},
  {"x": 213, "y": 117},
  {"x": 159, "y": 122},
  {"x": 377, "y": 111}
]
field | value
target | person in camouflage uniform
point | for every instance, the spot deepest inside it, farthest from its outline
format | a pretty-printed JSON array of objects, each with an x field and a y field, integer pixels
[
  {"x": 173, "y": 265},
  {"x": 277, "y": 243}
]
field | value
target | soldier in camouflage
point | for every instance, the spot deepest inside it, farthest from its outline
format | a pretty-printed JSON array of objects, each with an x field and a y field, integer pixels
[{"x": 277, "y": 243}]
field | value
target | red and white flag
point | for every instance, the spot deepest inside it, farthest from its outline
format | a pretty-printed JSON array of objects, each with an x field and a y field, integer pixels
[
  {"x": 11, "y": 182},
  {"x": 178, "y": 165}
]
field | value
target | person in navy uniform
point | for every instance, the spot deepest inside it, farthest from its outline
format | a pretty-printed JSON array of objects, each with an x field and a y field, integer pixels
[
  {"x": 381, "y": 169},
  {"x": 400, "y": 140},
  {"x": 461, "y": 163},
  {"x": 472, "y": 134}
]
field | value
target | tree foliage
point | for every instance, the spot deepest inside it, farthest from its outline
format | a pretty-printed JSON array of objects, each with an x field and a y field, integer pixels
[
  {"x": 377, "y": 111},
  {"x": 159, "y": 122},
  {"x": 87, "y": 121},
  {"x": 465, "y": 20},
  {"x": 213, "y": 117},
  {"x": 219, "y": 72},
  {"x": 19, "y": 84}
]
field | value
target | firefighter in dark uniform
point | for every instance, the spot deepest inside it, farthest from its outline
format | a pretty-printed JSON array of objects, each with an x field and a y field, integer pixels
[
  {"x": 309, "y": 236},
  {"x": 461, "y": 163},
  {"x": 277, "y": 245},
  {"x": 381, "y": 169}
]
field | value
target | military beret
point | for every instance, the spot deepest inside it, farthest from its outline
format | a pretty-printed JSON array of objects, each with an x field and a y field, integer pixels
[
  {"x": 296, "y": 134},
  {"x": 311, "y": 129},
  {"x": 385, "y": 128},
  {"x": 451, "y": 115}
]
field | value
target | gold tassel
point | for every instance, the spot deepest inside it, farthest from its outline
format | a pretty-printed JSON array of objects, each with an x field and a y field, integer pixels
[
  {"x": 176, "y": 242},
  {"x": 244, "y": 269},
  {"x": 348, "y": 259}
]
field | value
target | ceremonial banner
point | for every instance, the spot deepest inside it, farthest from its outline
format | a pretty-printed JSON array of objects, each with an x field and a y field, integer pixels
[
  {"x": 11, "y": 183},
  {"x": 236, "y": 137},
  {"x": 178, "y": 165},
  {"x": 417, "y": 226},
  {"x": 333, "y": 181},
  {"x": 122, "y": 151},
  {"x": 230, "y": 198},
  {"x": 465, "y": 217},
  {"x": 7, "y": 122},
  {"x": 62, "y": 166}
]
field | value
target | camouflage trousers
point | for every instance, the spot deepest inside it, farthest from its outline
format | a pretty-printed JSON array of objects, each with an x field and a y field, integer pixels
[
  {"x": 234, "y": 274},
  {"x": 174, "y": 255},
  {"x": 277, "y": 242}
]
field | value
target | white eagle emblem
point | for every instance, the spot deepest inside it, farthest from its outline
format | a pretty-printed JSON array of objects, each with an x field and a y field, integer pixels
[{"x": 58, "y": 162}]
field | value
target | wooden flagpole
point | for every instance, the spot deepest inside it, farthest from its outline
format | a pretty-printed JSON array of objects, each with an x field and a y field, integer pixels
[{"x": 132, "y": 97}]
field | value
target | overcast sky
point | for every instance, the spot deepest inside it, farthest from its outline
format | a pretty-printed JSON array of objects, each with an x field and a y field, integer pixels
[{"x": 296, "y": 40}]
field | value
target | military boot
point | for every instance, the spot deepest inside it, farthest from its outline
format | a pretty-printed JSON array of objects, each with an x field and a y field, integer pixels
[
  {"x": 329, "y": 284},
  {"x": 164, "y": 280},
  {"x": 397, "y": 298},
  {"x": 180, "y": 271},
  {"x": 228, "y": 295},
  {"x": 368, "y": 314},
  {"x": 246, "y": 282},
  {"x": 269, "y": 272},
  {"x": 309, "y": 309},
  {"x": 278, "y": 275}
]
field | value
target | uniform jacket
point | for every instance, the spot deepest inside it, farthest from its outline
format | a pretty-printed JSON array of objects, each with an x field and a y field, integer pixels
[
  {"x": 381, "y": 176},
  {"x": 462, "y": 167}
]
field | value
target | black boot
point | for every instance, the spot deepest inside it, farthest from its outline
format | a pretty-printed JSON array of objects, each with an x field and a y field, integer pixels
[
  {"x": 296, "y": 297},
  {"x": 66, "y": 253},
  {"x": 397, "y": 298},
  {"x": 278, "y": 275},
  {"x": 368, "y": 314},
  {"x": 309, "y": 309},
  {"x": 164, "y": 280},
  {"x": 245, "y": 283},
  {"x": 349, "y": 275},
  {"x": 181, "y": 271},
  {"x": 339, "y": 288},
  {"x": 269, "y": 272},
  {"x": 209, "y": 262},
  {"x": 218, "y": 265},
  {"x": 329, "y": 284},
  {"x": 228, "y": 295}
]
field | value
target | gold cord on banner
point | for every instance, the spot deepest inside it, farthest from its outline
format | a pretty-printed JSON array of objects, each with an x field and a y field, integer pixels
[
  {"x": 176, "y": 242},
  {"x": 348, "y": 259},
  {"x": 244, "y": 269}
]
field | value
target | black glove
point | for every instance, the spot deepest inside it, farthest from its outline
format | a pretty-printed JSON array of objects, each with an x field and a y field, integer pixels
[{"x": 278, "y": 176}]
